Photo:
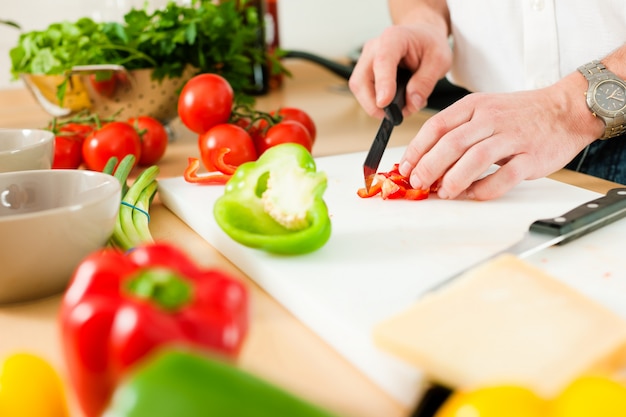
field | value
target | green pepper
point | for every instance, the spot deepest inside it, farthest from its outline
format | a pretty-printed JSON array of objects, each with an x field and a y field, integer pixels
[
  {"x": 183, "y": 383},
  {"x": 276, "y": 203}
]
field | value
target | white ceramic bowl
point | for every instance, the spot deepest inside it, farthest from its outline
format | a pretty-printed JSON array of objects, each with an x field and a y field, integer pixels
[
  {"x": 26, "y": 149},
  {"x": 49, "y": 221}
]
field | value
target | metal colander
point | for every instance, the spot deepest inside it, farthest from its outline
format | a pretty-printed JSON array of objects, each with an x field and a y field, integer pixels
[{"x": 134, "y": 93}]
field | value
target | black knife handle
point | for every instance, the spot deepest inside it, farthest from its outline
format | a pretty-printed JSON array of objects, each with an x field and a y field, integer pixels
[
  {"x": 433, "y": 398},
  {"x": 393, "y": 111},
  {"x": 585, "y": 218}
]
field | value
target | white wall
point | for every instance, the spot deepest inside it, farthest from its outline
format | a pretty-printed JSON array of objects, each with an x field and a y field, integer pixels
[{"x": 331, "y": 28}]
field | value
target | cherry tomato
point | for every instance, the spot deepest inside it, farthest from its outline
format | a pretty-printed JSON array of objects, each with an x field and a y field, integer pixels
[
  {"x": 154, "y": 139},
  {"x": 102, "y": 85},
  {"x": 494, "y": 401},
  {"x": 284, "y": 132},
  {"x": 591, "y": 396},
  {"x": 292, "y": 113},
  {"x": 113, "y": 139},
  {"x": 68, "y": 152},
  {"x": 206, "y": 100},
  {"x": 228, "y": 136},
  {"x": 68, "y": 145}
]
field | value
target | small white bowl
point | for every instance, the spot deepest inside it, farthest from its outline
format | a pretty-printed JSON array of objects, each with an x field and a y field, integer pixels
[
  {"x": 50, "y": 220},
  {"x": 26, "y": 149}
]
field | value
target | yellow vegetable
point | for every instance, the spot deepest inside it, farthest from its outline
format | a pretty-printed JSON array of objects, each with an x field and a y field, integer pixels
[
  {"x": 30, "y": 387},
  {"x": 495, "y": 401},
  {"x": 587, "y": 396},
  {"x": 591, "y": 396}
]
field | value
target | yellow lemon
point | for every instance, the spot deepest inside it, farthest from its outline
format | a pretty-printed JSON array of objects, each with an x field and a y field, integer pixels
[
  {"x": 30, "y": 387},
  {"x": 494, "y": 401},
  {"x": 591, "y": 396}
]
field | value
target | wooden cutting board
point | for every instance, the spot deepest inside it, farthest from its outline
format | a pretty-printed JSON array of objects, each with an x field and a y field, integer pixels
[{"x": 383, "y": 254}]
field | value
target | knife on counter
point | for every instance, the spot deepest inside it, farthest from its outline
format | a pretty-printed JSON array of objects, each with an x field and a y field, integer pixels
[
  {"x": 560, "y": 230},
  {"x": 393, "y": 117}
]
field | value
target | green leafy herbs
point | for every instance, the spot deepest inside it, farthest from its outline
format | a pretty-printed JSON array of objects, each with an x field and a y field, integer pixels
[{"x": 212, "y": 37}]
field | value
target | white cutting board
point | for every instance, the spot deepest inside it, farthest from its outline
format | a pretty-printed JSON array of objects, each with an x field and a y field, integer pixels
[{"x": 384, "y": 253}]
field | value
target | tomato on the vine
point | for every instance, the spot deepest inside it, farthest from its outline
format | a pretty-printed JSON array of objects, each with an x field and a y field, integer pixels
[
  {"x": 285, "y": 114},
  {"x": 154, "y": 139},
  {"x": 205, "y": 101},
  {"x": 113, "y": 139},
  {"x": 288, "y": 131},
  {"x": 68, "y": 145},
  {"x": 68, "y": 152},
  {"x": 229, "y": 136},
  {"x": 298, "y": 115}
]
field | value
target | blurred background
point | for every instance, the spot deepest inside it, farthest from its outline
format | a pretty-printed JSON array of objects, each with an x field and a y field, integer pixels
[{"x": 331, "y": 28}]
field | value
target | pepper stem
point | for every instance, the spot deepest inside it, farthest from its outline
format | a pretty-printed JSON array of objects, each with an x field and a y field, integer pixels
[{"x": 162, "y": 286}]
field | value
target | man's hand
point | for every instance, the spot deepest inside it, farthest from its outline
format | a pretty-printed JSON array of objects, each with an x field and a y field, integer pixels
[
  {"x": 421, "y": 48},
  {"x": 528, "y": 134}
]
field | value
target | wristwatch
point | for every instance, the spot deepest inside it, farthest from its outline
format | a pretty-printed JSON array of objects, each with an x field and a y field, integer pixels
[{"x": 606, "y": 97}]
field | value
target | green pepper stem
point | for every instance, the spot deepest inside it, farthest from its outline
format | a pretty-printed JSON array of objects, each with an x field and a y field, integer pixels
[{"x": 162, "y": 286}]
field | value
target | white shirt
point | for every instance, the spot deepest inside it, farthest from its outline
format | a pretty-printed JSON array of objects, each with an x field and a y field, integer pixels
[{"x": 511, "y": 45}]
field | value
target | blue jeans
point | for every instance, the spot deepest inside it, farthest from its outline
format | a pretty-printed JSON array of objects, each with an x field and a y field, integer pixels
[{"x": 604, "y": 159}]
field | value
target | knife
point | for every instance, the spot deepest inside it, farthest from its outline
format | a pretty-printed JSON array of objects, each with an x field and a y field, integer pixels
[
  {"x": 393, "y": 117},
  {"x": 560, "y": 230}
]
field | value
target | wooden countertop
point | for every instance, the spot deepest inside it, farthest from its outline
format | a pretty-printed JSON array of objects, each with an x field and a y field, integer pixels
[{"x": 279, "y": 348}]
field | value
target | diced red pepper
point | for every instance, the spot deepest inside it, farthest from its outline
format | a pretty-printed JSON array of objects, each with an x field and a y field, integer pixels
[
  {"x": 119, "y": 307},
  {"x": 374, "y": 190},
  {"x": 391, "y": 190},
  {"x": 191, "y": 174},
  {"x": 393, "y": 186},
  {"x": 217, "y": 158},
  {"x": 415, "y": 194}
]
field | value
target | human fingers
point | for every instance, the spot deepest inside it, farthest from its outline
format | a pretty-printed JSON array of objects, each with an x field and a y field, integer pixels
[
  {"x": 501, "y": 181},
  {"x": 474, "y": 163},
  {"x": 458, "y": 158},
  {"x": 362, "y": 80},
  {"x": 429, "y": 134},
  {"x": 373, "y": 81},
  {"x": 396, "y": 47},
  {"x": 418, "y": 49},
  {"x": 432, "y": 67}
]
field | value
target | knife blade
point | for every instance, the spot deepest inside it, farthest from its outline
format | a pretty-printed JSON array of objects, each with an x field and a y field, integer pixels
[
  {"x": 393, "y": 117},
  {"x": 560, "y": 230}
]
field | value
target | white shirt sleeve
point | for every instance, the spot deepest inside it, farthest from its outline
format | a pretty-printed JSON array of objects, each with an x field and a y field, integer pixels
[{"x": 512, "y": 45}]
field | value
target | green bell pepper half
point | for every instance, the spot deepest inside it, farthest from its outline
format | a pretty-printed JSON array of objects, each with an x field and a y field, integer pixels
[
  {"x": 183, "y": 383},
  {"x": 276, "y": 203}
]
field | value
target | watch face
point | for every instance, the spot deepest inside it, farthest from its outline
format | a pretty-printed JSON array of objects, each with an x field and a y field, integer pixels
[{"x": 610, "y": 95}]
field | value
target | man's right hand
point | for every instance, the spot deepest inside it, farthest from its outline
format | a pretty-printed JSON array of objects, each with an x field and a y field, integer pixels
[{"x": 422, "y": 48}]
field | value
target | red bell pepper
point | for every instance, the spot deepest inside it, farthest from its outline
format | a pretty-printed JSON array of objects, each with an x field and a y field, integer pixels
[{"x": 121, "y": 306}]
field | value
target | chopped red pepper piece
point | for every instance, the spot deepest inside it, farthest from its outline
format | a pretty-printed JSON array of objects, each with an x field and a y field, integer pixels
[
  {"x": 415, "y": 194},
  {"x": 391, "y": 190},
  {"x": 392, "y": 185},
  {"x": 217, "y": 158},
  {"x": 191, "y": 174},
  {"x": 375, "y": 189},
  {"x": 119, "y": 307}
]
